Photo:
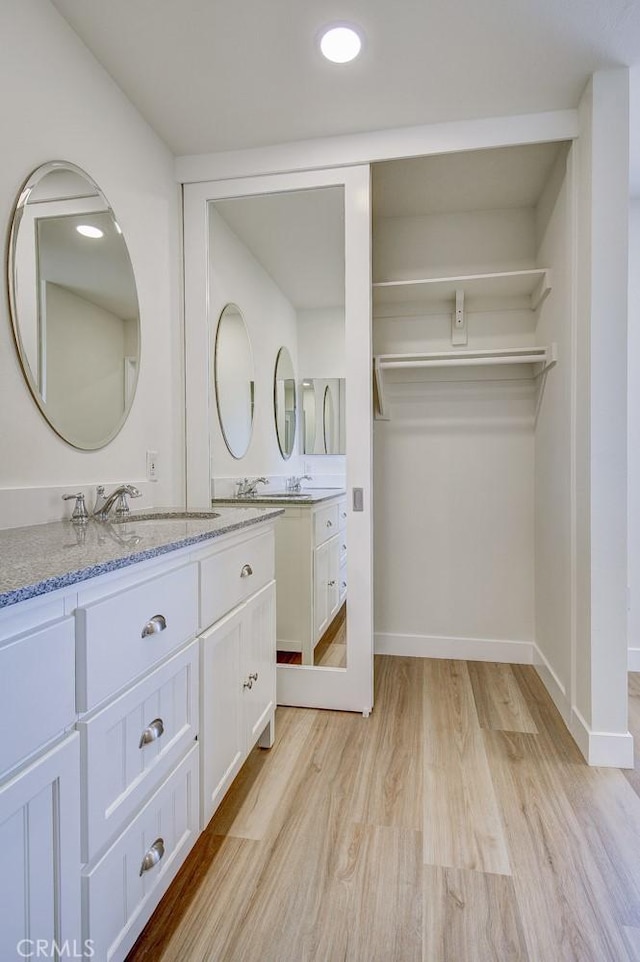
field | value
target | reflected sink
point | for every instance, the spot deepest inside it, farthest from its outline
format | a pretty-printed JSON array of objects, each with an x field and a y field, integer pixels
[{"x": 168, "y": 515}]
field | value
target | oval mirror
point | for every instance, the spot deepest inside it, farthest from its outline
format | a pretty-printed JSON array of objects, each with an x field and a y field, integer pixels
[
  {"x": 234, "y": 380},
  {"x": 328, "y": 420},
  {"x": 284, "y": 402},
  {"x": 74, "y": 305}
]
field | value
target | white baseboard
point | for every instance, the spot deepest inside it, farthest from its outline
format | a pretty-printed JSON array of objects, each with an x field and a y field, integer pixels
[
  {"x": 634, "y": 659},
  {"x": 463, "y": 649},
  {"x": 554, "y": 686},
  {"x": 607, "y": 749}
]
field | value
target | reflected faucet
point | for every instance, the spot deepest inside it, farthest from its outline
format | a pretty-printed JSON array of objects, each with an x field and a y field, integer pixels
[
  {"x": 118, "y": 497},
  {"x": 249, "y": 486},
  {"x": 294, "y": 483}
]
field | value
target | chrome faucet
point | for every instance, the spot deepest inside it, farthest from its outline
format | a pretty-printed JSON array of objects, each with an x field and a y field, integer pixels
[
  {"x": 118, "y": 497},
  {"x": 294, "y": 483},
  {"x": 249, "y": 486}
]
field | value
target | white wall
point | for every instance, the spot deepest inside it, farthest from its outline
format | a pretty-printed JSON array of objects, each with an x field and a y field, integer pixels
[
  {"x": 454, "y": 467},
  {"x": 85, "y": 365},
  {"x": 634, "y": 434},
  {"x": 237, "y": 277},
  {"x": 444, "y": 245},
  {"x": 58, "y": 103}
]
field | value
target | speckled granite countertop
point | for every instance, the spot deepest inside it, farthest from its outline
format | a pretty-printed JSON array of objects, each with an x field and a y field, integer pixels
[
  {"x": 306, "y": 496},
  {"x": 44, "y": 557}
]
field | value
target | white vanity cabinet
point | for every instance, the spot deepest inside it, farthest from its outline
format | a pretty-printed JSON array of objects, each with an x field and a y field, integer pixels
[
  {"x": 100, "y": 799},
  {"x": 237, "y": 668},
  {"x": 39, "y": 783},
  {"x": 311, "y": 565}
]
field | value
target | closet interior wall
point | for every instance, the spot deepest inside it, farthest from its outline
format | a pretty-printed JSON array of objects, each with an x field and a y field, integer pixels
[{"x": 472, "y": 471}]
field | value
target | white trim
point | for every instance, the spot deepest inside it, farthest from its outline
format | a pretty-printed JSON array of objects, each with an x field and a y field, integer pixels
[
  {"x": 462, "y": 649},
  {"x": 634, "y": 659},
  {"x": 362, "y": 148},
  {"x": 554, "y": 686},
  {"x": 605, "y": 749}
]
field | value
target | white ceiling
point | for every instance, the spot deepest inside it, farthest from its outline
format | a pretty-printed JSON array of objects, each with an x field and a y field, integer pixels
[
  {"x": 298, "y": 237},
  {"x": 210, "y": 75}
]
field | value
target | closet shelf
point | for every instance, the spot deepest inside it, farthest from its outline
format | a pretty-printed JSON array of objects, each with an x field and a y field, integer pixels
[
  {"x": 538, "y": 359},
  {"x": 535, "y": 284}
]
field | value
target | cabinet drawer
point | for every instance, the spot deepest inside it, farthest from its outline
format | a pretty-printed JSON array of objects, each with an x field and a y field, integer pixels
[
  {"x": 37, "y": 690},
  {"x": 342, "y": 514},
  {"x": 118, "y": 899},
  {"x": 325, "y": 524},
  {"x": 133, "y": 743},
  {"x": 124, "y": 635},
  {"x": 233, "y": 574}
]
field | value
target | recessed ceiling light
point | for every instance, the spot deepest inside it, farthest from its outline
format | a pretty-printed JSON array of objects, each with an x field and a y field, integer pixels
[
  {"x": 340, "y": 44},
  {"x": 88, "y": 231}
]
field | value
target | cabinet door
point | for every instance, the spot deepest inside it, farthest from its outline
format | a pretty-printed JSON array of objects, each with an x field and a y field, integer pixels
[
  {"x": 221, "y": 703},
  {"x": 320, "y": 590},
  {"x": 40, "y": 845},
  {"x": 259, "y": 663}
]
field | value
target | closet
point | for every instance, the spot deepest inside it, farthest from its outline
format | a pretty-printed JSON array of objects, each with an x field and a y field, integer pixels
[{"x": 473, "y": 346}]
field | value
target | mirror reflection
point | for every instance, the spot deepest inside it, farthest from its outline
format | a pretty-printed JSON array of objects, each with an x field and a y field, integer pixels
[
  {"x": 234, "y": 380},
  {"x": 323, "y": 416},
  {"x": 284, "y": 402},
  {"x": 74, "y": 305},
  {"x": 281, "y": 257}
]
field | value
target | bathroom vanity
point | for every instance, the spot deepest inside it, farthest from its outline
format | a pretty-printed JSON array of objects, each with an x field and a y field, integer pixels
[
  {"x": 311, "y": 565},
  {"x": 138, "y": 671}
]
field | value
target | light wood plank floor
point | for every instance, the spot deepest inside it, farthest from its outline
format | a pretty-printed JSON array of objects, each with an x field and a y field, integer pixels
[{"x": 458, "y": 823}]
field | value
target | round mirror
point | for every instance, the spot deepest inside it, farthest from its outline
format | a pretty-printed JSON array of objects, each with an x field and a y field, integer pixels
[
  {"x": 234, "y": 380},
  {"x": 284, "y": 402},
  {"x": 74, "y": 305},
  {"x": 328, "y": 420}
]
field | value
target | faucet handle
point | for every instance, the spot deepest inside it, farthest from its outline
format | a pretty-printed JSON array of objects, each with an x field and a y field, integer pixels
[{"x": 79, "y": 515}]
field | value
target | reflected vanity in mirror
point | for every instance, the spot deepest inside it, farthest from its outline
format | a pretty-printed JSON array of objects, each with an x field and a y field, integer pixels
[
  {"x": 74, "y": 305},
  {"x": 284, "y": 402},
  {"x": 284, "y": 255},
  {"x": 234, "y": 380},
  {"x": 323, "y": 415}
]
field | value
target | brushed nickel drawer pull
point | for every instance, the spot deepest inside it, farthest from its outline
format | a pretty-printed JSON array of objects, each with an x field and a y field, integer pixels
[
  {"x": 332, "y": 583},
  {"x": 246, "y": 571},
  {"x": 154, "y": 626},
  {"x": 248, "y": 684},
  {"x": 344, "y": 584},
  {"x": 329, "y": 524},
  {"x": 153, "y": 856},
  {"x": 152, "y": 732},
  {"x": 253, "y": 677}
]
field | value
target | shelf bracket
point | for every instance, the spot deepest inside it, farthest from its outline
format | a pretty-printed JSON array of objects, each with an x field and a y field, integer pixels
[
  {"x": 459, "y": 322},
  {"x": 379, "y": 408}
]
